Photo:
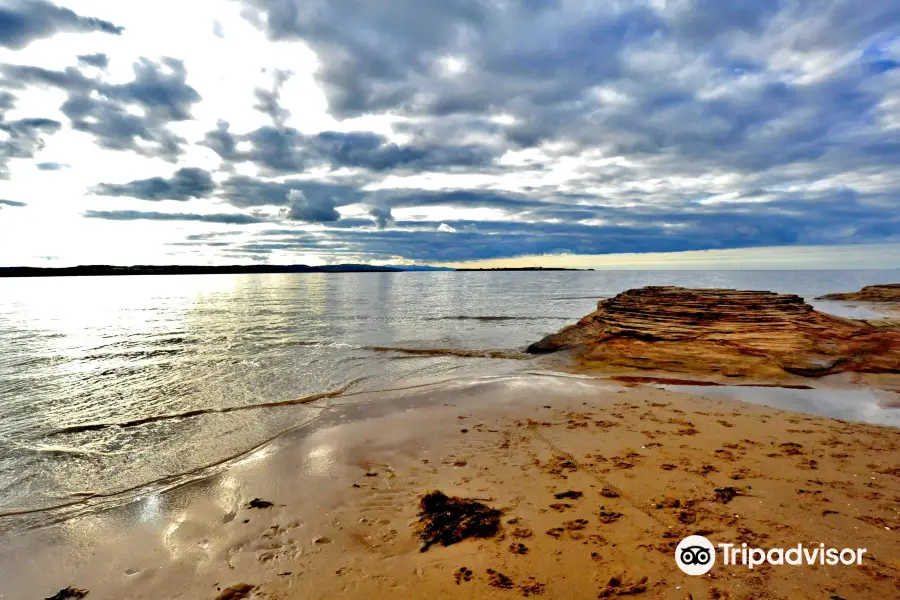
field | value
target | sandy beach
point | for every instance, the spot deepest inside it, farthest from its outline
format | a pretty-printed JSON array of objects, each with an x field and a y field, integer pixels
[
  {"x": 576, "y": 476},
  {"x": 597, "y": 482}
]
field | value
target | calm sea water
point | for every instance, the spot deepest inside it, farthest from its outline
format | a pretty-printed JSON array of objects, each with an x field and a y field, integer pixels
[{"x": 112, "y": 383}]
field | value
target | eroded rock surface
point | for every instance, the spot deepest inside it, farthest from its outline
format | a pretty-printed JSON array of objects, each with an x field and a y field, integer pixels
[
  {"x": 727, "y": 332},
  {"x": 889, "y": 292}
]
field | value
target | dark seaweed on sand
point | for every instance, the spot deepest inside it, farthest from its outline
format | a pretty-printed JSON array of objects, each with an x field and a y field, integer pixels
[
  {"x": 447, "y": 520},
  {"x": 569, "y": 495},
  {"x": 259, "y": 503},
  {"x": 70, "y": 593}
]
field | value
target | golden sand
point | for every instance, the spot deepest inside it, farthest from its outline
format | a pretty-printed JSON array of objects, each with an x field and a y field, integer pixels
[{"x": 597, "y": 483}]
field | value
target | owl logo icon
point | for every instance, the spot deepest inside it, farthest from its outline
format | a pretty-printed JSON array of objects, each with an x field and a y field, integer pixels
[{"x": 695, "y": 555}]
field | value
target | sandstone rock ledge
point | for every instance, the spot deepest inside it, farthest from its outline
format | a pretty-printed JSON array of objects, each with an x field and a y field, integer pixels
[
  {"x": 725, "y": 332},
  {"x": 888, "y": 292}
]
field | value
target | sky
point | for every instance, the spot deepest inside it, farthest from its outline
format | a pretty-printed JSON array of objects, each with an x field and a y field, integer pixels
[{"x": 451, "y": 132}]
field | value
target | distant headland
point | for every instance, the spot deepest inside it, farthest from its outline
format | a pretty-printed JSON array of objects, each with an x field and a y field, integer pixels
[
  {"x": 101, "y": 270},
  {"x": 525, "y": 269}
]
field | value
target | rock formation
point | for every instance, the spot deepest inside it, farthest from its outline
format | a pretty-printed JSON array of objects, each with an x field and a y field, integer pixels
[
  {"x": 726, "y": 332},
  {"x": 888, "y": 292}
]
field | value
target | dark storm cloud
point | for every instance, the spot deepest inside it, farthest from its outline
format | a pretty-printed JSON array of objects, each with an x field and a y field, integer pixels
[
  {"x": 24, "y": 21},
  {"x": 159, "y": 89},
  {"x": 99, "y": 60},
  {"x": 138, "y": 215},
  {"x": 185, "y": 184},
  {"x": 14, "y": 203}
]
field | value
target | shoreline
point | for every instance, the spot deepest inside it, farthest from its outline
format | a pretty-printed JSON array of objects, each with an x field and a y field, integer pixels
[
  {"x": 622, "y": 461},
  {"x": 327, "y": 537},
  {"x": 865, "y": 402}
]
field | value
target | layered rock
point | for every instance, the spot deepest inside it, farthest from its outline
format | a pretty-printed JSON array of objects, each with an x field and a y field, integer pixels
[
  {"x": 727, "y": 332},
  {"x": 888, "y": 292}
]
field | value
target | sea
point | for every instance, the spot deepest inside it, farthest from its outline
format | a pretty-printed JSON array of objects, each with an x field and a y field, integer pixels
[{"x": 111, "y": 386}]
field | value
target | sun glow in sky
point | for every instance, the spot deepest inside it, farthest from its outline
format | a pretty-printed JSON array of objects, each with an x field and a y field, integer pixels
[{"x": 456, "y": 132}]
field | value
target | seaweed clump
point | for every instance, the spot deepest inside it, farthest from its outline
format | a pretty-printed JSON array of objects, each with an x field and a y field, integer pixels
[
  {"x": 70, "y": 593},
  {"x": 447, "y": 520},
  {"x": 259, "y": 503}
]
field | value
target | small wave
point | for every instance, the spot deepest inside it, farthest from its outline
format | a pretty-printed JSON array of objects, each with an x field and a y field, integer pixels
[
  {"x": 134, "y": 354},
  {"x": 69, "y": 451},
  {"x": 495, "y": 318},
  {"x": 319, "y": 343},
  {"x": 594, "y": 297},
  {"x": 204, "y": 411},
  {"x": 508, "y": 354},
  {"x": 635, "y": 379}
]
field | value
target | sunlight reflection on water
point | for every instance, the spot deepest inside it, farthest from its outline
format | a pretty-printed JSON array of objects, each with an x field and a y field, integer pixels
[{"x": 107, "y": 350}]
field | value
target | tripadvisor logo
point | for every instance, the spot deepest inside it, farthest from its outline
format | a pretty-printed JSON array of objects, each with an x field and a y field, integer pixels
[{"x": 696, "y": 555}]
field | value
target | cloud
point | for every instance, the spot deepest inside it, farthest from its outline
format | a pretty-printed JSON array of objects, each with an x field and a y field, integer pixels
[
  {"x": 137, "y": 215},
  {"x": 243, "y": 191},
  {"x": 281, "y": 149},
  {"x": 464, "y": 129},
  {"x": 699, "y": 124},
  {"x": 318, "y": 210},
  {"x": 268, "y": 101},
  {"x": 14, "y": 203},
  {"x": 698, "y": 83},
  {"x": 24, "y": 21},
  {"x": 99, "y": 60},
  {"x": 195, "y": 237},
  {"x": 7, "y": 101},
  {"x": 395, "y": 57},
  {"x": 842, "y": 217},
  {"x": 185, "y": 184},
  {"x": 52, "y": 166},
  {"x": 382, "y": 216},
  {"x": 158, "y": 90},
  {"x": 24, "y": 138}
]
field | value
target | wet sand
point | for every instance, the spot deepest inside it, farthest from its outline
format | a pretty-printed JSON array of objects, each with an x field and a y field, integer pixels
[{"x": 651, "y": 466}]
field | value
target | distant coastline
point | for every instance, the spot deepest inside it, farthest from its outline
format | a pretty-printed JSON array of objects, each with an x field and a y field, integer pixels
[
  {"x": 111, "y": 270},
  {"x": 526, "y": 269},
  {"x": 107, "y": 270}
]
